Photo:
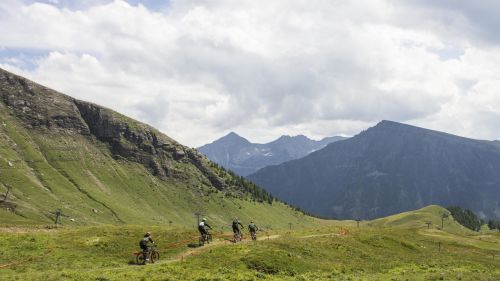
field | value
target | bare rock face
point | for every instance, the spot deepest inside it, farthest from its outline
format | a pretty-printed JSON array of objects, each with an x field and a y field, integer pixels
[{"x": 40, "y": 108}]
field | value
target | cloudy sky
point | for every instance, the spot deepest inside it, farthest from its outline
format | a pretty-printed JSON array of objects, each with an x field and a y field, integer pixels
[{"x": 197, "y": 69}]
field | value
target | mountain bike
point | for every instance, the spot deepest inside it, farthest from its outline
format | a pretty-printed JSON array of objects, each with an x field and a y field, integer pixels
[
  {"x": 254, "y": 235},
  {"x": 153, "y": 255},
  {"x": 206, "y": 238},
  {"x": 238, "y": 236}
]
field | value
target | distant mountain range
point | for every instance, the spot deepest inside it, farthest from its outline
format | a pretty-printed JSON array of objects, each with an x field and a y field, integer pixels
[
  {"x": 244, "y": 158},
  {"x": 388, "y": 169}
]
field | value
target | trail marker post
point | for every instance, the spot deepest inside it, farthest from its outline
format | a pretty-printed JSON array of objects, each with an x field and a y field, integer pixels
[
  {"x": 197, "y": 214},
  {"x": 443, "y": 216},
  {"x": 6, "y": 195},
  {"x": 58, "y": 215}
]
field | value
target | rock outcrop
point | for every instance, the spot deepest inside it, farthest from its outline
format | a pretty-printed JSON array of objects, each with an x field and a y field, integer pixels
[{"x": 41, "y": 108}]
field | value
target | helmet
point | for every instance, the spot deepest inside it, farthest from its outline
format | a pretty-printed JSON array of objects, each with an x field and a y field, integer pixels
[
  {"x": 147, "y": 234},
  {"x": 204, "y": 219}
]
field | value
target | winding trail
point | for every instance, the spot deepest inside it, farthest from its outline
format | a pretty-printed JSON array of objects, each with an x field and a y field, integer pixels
[
  {"x": 217, "y": 243},
  {"x": 223, "y": 240},
  {"x": 191, "y": 252}
]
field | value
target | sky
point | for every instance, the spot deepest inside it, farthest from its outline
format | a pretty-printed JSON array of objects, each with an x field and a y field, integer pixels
[{"x": 197, "y": 70}]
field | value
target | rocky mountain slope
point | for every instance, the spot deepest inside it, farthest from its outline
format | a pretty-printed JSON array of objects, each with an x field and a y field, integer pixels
[
  {"x": 388, "y": 169},
  {"x": 99, "y": 166},
  {"x": 244, "y": 158}
]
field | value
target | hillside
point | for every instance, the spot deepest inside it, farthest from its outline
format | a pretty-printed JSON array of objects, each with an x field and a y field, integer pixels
[
  {"x": 432, "y": 214},
  {"x": 99, "y": 166},
  {"x": 388, "y": 169},
  {"x": 399, "y": 247},
  {"x": 244, "y": 158}
]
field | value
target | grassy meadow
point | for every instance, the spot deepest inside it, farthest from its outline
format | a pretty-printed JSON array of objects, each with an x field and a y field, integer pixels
[{"x": 399, "y": 247}]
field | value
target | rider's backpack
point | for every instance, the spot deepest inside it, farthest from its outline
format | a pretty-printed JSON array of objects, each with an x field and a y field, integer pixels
[{"x": 143, "y": 243}]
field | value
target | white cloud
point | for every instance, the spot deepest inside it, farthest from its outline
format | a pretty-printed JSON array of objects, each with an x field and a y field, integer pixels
[{"x": 203, "y": 68}]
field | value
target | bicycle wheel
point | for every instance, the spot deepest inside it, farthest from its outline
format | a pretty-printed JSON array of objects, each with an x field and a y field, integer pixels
[
  {"x": 155, "y": 256},
  {"x": 202, "y": 241},
  {"x": 139, "y": 259},
  {"x": 209, "y": 238}
]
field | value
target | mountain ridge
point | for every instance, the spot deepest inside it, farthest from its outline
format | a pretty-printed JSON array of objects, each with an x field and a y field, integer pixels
[
  {"x": 387, "y": 169},
  {"x": 244, "y": 157}
]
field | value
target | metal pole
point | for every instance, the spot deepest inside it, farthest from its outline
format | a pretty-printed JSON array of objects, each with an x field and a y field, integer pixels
[
  {"x": 197, "y": 214},
  {"x": 6, "y": 195},
  {"x": 58, "y": 214}
]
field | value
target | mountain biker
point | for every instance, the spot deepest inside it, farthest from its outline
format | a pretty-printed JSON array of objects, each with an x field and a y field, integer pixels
[
  {"x": 202, "y": 228},
  {"x": 236, "y": 229},
  {"x": 144, "y": 246},
  {"x": 252, "y": 228}
]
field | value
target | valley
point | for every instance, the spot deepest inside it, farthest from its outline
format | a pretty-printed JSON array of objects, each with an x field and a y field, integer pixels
[{"x": 81, "y": 184}]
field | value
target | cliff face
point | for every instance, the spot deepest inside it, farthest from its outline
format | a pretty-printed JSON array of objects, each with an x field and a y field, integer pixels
[
  {"x": 141, "y": 143},
  {"x": 41, "y": 108}
]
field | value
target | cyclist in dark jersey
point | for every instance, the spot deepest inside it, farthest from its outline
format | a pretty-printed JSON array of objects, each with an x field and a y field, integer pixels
[
  {"x": 144, "y": 245},
  {"x": 202, "y": 227},
  {"x": 235, "y": 225}
]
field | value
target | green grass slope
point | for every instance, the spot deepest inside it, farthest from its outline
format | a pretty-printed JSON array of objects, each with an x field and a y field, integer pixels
[
  {"x": 100, "y": 167},
  {"x": 419, "y": 218},
  {"x": 340, "y": 251}
]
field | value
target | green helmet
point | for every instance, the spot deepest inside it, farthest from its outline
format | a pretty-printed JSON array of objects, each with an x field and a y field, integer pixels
[{"x": 204, "y": 219}]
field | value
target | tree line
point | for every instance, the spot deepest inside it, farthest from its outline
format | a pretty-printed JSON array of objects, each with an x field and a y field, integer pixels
[
  {"x": 470, "y": 220},
  {"x": 466, "y": 217},
  {"x": 257, "y": 193},
  {"x": 494, "y": 224}
]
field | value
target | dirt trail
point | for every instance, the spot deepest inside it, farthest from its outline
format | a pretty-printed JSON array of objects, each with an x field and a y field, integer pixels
[
  {"x": 196, "y": 251},
  {"x": 319, "y": 235},
  {"x": 24, "y": 230},
  {"x": 191, "y": 252}
]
